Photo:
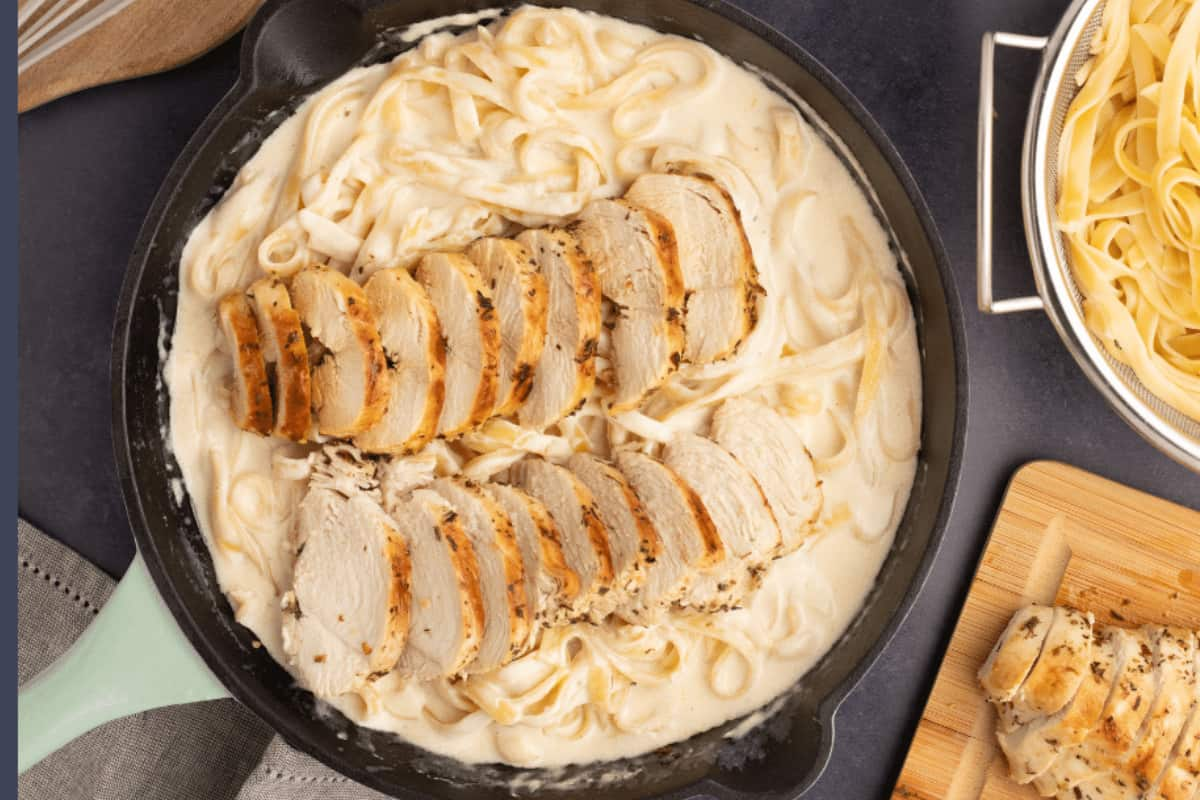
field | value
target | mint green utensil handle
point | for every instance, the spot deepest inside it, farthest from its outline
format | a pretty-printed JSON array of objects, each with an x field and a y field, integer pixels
[{"x": 132, "y": 657}]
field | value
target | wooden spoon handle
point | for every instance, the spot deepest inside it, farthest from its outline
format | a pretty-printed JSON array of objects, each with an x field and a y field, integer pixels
[{"x": 146, "y": 37}]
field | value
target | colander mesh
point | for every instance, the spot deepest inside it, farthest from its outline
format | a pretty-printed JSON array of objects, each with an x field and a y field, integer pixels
[{"x": 1185, "y": 429}]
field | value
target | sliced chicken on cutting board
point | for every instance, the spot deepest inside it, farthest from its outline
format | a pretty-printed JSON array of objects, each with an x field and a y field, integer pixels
[
  {"x": 566, "y": 369},
  {"x": 1015, "y": 653},
  {"x": 1173, "y": 663},
  {"x": 719, "y": 274},
  {"x": 411, "y": 337},
  {"x": 632, "y": 539},
  {"x": 637, "y": 261},
  {"x": 1174, "y": 660},
  {"x": 472, "y": 339},
  {"x": 350, "y": 602},
  {"x": 285, "y": 349},
  {"x": 1033, "y": 748},
  {"x": 501, "y": 571},
  {"x": 522, "y": 302},
  {"x": 551, "y": 586},
  {"x": 1181, "y": 778},
  {"x": 1127, "y": 729},
  {"x": 250, "y": 395},
  {"x": 447, "y": 614},
  {"x": 349, "y": 386},
  {"x": 738, "y": 508},
  {"x": 584, "y": 537},
  {"x": 1124, "y": 711},
  {"x": 690, "y": 543},
  {"x": 1059, "y": 671},
  {"x": 772, "y": 449}
]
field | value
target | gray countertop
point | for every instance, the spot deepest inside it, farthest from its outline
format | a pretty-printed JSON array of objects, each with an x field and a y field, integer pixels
[{"x": 90, "y": 165}]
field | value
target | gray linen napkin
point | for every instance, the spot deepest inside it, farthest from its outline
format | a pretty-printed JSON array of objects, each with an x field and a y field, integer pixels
[{"x": 216, "y": 751}]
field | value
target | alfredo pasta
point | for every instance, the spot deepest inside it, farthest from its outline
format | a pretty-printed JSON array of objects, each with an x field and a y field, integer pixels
[{"x": 519, "y": 123}]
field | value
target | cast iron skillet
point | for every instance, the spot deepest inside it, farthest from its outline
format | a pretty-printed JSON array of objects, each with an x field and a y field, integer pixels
[{"x": 290, "y": 49}]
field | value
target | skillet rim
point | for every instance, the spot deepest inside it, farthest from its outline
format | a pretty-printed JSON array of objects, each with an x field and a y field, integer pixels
[{"x": 246, "y": 688}]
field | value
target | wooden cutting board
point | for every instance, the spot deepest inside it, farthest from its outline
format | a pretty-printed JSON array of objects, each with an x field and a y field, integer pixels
[
  {"x": 142, "y": 37},
  {"x": 1063, "y": 536}
]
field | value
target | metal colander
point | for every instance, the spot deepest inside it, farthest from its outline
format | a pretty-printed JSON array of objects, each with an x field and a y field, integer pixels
[{"x": 1064, "y": 53}]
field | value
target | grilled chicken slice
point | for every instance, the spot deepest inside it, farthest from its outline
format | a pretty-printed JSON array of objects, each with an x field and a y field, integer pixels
[
  {"x": 767, "y": 445},
  {"x": 447, "y": 617},
  {"x": 551, "y": 586},
  {"x": 1173, "y": 655},
  {"x": 1015, "y": 652},
  {"x": 501, "y": 572},
  {"x": 566, "y": 369},
  {"x": 1032, "y": 748},
  {"x": 1181, "y": 779},
  {"x": 521, "y": 298},
  {"x": 1174, "y": 662},
  {"x": 719, "y": 275},
  {"x": 740, "y": 512},
  {"x": 1059, "y": 670},
  {"x": 350, "y": 589},
  {"x": 250, "y": 396},
  {"x": 472, "y": 339},
  {"x": 349, "y": 386},
  {"x": 1126, "y": 707},
  {"x": 584, "y": 537},
  {"x": 284, "y": 348},
  {"x": 412, "y": 341},
  {"x": 690, "y": 543},
  {"x": 637, "y": 261},
  {"x": 632, "y": 539}
]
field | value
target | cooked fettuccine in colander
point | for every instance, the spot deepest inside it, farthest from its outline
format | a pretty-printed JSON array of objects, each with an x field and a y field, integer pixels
[{"x": 1129, "y": 193}]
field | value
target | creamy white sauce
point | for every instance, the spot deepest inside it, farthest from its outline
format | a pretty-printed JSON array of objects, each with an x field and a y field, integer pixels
[{"x": 394, "y": 160}]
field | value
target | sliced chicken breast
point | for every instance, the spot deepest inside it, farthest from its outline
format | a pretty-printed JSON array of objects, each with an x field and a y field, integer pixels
[
  {"x": 585, "y": 539},
  {"x": 286, "y": 351},
  {"x": 1015, "y": 653},
  {"x": 1059, "y": 671},
  {"x": 632, "y": 539},
  {"x": 1130, "y": 702},
  {"x": 637, "y": 261},
  {"x": 719, "y": 274},
  {"x": 551, "y": 586},
  {"x": 472, "y": 339},
  {"x": 1174, "y": 661},
  {"x": 350, "y": 609},
  {"x": 1124, "y": 711},
  {"x": 521, "y": 297},
  {"x": 566, "y": 370},
  {"x": 507, "y": 615},
  {"x": 772, "y": 449},
  {"x": 1033, "y": 748},
  {"x": 250, "y": 395},
  {"x": 447, "y": 614},
  {"x": 349, "y": 387},
  {"x": 1137, "y": 776},
  {"x": 411, "y": 337},
  {"x": 690, "y": 543},
  {"x": 1181, "y": 778},
  {"x": 736, "y": 504}
]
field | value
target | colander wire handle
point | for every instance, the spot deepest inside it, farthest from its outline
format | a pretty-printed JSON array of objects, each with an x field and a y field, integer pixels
[{"x": 983, "y": 199}]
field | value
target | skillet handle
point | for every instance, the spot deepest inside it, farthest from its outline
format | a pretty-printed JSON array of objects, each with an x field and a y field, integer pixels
[
  {"x": 983, "y": 199},
  {"x": 131, "y": 658}
]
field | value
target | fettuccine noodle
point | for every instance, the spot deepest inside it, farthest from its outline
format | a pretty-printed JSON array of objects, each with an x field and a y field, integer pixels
[{"x": 1129, "y": 193}]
